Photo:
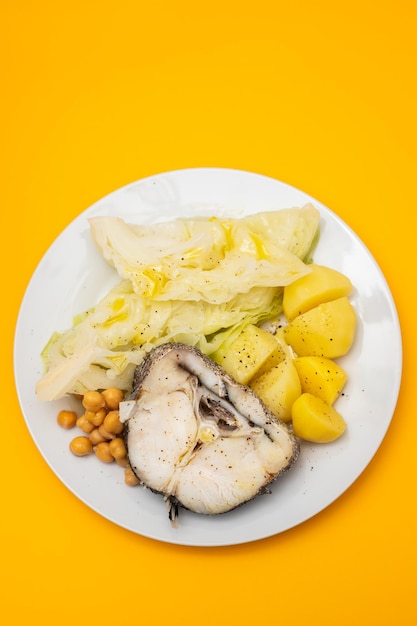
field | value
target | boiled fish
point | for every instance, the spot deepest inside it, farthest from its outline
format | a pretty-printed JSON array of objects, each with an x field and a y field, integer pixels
[{"x": 199, "y": 438}]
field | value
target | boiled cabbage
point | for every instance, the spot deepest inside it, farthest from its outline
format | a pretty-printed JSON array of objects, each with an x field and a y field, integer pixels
[
  {"x": 196, "y": 281},
  {"x": 106, "y": 343},
  {"x": 208, "y": 259}
]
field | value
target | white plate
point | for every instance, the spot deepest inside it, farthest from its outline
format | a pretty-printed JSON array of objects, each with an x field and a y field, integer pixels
[{"x": 72, "y": 276}]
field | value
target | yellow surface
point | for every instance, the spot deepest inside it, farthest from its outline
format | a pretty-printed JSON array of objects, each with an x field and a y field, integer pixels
[{"x": 320, "y": 94}]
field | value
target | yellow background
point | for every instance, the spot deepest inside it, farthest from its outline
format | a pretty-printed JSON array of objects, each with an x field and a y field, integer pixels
[{"x": 97, "y": 94}]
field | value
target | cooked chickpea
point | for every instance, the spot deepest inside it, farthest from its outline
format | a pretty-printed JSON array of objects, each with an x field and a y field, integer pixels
[
  {"x": 67, "y": 419},
  {"x": 101, "y": 424},
  {"x": 112, "y": 397},
  {"x": 96, "y": 437},
  {"x": 84, "y": 424},
  {"x": 97, "y": 417},
  {"x": 123, "y": 461},
  {"x": 130, "y": 478},
  {"x": 117, "y": 448},
  {"x": 112, "y": 423},
  {"x": 81, "y": 446},
  {"x": 105, "y": 434},
  {"x": 93, "y": 401},
  {"x": 102, "y": 452}
]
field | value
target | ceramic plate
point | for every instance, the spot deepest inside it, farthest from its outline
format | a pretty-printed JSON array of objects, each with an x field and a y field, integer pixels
[{"x": 72, "y": 276}]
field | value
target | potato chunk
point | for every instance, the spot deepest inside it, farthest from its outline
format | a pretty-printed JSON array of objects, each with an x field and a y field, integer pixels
[
  {"x": 314, "y": 420},
  {"x": 254, "y": 351},
  {"x": 278, "y": 388},
  {"x": 326, "y": 330},
  {"x": 321, "y": 376},
  {"x": 322, "y": 284}
]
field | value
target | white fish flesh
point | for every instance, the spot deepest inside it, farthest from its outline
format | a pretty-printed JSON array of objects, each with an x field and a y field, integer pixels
[{"x": 198, "y": 437}]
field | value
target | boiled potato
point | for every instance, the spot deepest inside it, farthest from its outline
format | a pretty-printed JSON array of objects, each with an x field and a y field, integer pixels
[
  {"x": 321, "y": 376},
  {"x": 278, "y": 388},
  {"x": 322, "y": 284},
  {"x": 326, "y": 330},
  {"x": 253, "y": 351},
  {"x": 315, "y": 420}
]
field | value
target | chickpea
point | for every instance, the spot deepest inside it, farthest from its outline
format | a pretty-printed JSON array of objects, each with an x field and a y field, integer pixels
[
  {"x": 96, "y": 437},
  {"x": 67, "y": 419},
  {"x": 117, "y": 448},
  {"x": 84, "y": 424},
  {"x": 123, "y": 461},
  {"x": 93, "y": 401},
  {"x": 130, "y": 478},
  {"x": 112, "y": 423},
  {"x": 97, "y": 417},
  {"x": 112, "y": 397},
  {"x": 105, "y": 434},
  {"x": 81, "y": 446},
  {"x": 102, "y": 452}
]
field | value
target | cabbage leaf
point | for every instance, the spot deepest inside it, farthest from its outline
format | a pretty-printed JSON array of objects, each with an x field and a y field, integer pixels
[
  {"x": 208, "y": 259},
  {"x": 196, "y": 281},
  {"x": 106, "y": 343}
]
